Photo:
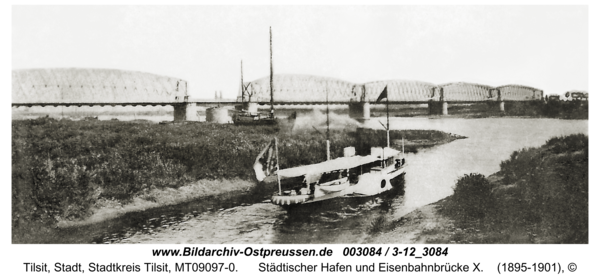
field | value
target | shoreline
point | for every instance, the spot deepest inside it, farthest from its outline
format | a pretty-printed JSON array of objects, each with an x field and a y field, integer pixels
[
  {"x": 110, "y": 209},
  {"x": 435, "y": 223},
  {"x": 106, "y": 209},
  {"x": 432, "y": 224},
  {"x": 109, "y": 184},
  {"x": 428, "y": 225},
  {"x": 529, "y": 201}
]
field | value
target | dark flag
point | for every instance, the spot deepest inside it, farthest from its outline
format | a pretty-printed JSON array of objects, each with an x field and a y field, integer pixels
[
  {"x": 382, "y": 95},
  {"x": 266, "y": 162}
]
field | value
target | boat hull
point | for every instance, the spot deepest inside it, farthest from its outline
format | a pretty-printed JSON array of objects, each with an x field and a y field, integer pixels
[
  {"x": 348, "y": 200},
  {"x": 385, "y": 185},
  {"x": 254, "y": 120}
]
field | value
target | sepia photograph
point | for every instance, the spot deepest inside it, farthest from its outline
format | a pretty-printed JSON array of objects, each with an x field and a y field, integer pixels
[{"x": 285, "y": 124}]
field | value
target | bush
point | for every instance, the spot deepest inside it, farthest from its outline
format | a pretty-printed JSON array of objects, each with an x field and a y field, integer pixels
[
  {"x": 61, "y": 188},
  {"x": 377, "y": 225},
  {"x": 553, "y": 183},
  {"x": 472, "y": 195},
  {"x": 570, "y": 143},
  {"x": 572, "y": 200},
  {"x": 519, "y": 164}
]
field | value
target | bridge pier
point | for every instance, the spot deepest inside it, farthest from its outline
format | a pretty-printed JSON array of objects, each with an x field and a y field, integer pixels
[
  {"x": 438, "y": 107},
  {"x": 434, "y": 107},
  {"x": 359, "y": 111},
  {"x": 185, "y": 111},
  {"x": 500, "y": 102},
  {"x": 444, "y": 103},
  {"x": 431, "y": 107}
]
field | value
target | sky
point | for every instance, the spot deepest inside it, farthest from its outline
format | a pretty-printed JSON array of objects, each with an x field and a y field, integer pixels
[{"x": 540, "y": 46}]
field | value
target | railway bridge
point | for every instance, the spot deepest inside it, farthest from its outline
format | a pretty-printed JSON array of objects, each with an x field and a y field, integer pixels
[
  {"x": 99, "y": 87},
  {"x": 110, "y": 87},
  {"x": 305, "y": 89}
]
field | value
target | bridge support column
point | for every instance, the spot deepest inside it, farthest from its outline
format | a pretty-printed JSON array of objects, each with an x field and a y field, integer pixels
[
  {"x": 431, "y": 107},
  {"x": 444, "y": 103},
  {"x": 359, "y": 111},
  {"x": 500, "y": 102},
  {"x": 437, "y": 107},
  {"x": 185, "y": 112}
]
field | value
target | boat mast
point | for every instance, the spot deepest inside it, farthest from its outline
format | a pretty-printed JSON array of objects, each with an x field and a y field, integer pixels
[
  {"x": 387, "y": 110},
  {"x": 277, "y": 161},
  {"x": 242, "y": 78},
  {"x": 327, "y": 101},
  {"x": 271, "y": 76},
  {"x": 402, "y": 146},
  {"x": 387, "y": 127}
]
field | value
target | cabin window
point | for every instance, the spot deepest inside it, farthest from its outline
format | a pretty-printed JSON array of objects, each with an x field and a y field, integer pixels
[
  {"x": 332, "y": 176},
  {"x": 390, "y": 161},
  {"x": 292, "y": 183},
  {"x": 353, "y": 175},
  {"x": 370, "y": 165}
]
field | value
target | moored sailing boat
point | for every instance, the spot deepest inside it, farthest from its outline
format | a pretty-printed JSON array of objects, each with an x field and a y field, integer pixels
[{"x": 255, "y": 118}]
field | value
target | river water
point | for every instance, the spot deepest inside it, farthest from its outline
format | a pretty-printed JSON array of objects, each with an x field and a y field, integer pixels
[{"x": 430, "y": 175}]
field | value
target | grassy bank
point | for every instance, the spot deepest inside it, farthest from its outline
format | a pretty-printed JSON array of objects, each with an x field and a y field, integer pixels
[
  {"x": 64, "y": 171},
  {"x": 540, "y": 195},
  {"x": 533, "y": 109}
]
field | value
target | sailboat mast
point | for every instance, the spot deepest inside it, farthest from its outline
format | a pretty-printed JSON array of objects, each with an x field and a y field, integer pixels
[
  {"x": 242, "y": 78},
  {"x": 277, "y": 158},
  {"x": 327, "y": 101},
  {"x": 271, "y": 61},
  {"x": 402, "y": 146},
  {"x": 387, "y": 103}
]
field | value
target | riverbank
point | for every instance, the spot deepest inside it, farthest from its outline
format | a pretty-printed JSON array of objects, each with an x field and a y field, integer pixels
[
  {"x": 74, "y": 173},
  {"x": 522, "y": 109},
  {"x": 212, "y": 194},
  {"x": 429, "y": 224},
  {"x": 106, "y": 209},
  {"x": 540, "y": 196}
]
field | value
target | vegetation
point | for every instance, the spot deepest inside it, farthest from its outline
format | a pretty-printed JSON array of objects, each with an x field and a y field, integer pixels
[
  {"x": 413, "y": 139},
  {"x": 377, "y": 225},
  {"x": 542, "y": 196},
  {"x": 550, "y": 109},
  {"x": 537, "y": 108},
  {"x": 472, "y": 196},
  {"x": 61, "y": 168}
]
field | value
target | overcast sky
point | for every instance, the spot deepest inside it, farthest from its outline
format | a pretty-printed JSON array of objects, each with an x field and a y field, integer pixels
[{"x": 539, "y": 46}]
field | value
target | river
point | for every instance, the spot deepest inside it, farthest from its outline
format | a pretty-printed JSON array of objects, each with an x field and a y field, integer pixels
[{"x": 430, "y": 175}]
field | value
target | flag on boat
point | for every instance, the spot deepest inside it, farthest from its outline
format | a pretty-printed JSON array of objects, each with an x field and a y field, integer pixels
[
  {"x": 382, "y": 95},
  {"x": 266, "y": 162}
]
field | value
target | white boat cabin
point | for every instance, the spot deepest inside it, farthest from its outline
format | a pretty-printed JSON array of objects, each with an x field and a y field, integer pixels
[{"x": 340, "y": 173}]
